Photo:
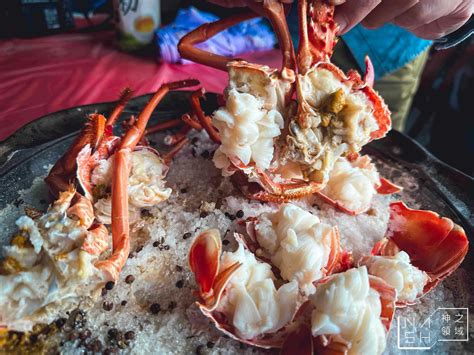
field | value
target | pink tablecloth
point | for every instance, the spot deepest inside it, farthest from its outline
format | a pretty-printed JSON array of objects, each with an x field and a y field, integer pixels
[{"x": 44, "y": 75}]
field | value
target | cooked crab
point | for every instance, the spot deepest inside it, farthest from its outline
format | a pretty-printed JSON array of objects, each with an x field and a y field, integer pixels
[
  {"x": 61, "y": 259},
  {"x": 276, "y": 148}
]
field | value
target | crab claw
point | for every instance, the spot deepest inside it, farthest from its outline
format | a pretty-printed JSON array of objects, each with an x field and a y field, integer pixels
[
  {"x": 434, "y": 244},
  {"x": 204, "y": 259}
]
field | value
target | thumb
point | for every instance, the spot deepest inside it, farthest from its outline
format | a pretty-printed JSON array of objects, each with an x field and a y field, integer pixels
[{"x": 351, "y": 13}]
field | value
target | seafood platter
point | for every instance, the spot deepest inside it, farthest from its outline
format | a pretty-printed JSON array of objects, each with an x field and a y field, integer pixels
[{"x": 280, "y": 216}]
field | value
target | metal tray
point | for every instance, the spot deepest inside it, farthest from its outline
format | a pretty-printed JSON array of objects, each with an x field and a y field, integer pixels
[{"x": 428, "y": 182}]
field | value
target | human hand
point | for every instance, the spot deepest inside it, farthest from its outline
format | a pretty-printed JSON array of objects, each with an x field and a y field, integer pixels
[
  {"x": 428, "y": 19},
  {"x": 241, "y": 3}
]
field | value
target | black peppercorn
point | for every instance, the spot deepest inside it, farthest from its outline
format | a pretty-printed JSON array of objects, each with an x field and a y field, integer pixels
[
  {"x": 107, "y": 306},
  {"x": 155, "y": 308},
  {"x": 129, "y": 279},
  {"x": 179, "y": 283},
  {"x": 110, "y": 351},
  {"x": 130, "y": 335},
  {"x": 112, "y": 333}
]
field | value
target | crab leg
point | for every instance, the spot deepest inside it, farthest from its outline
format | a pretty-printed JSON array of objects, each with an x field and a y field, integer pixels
[
  {"x": 204, "y": 120},
  {"x": 190, "y": 121},
  {"x": 163, "y": 126},
  {"x": 275, "y": 12},
  {"x": 120, "y": 222},
  {"x": 177, "y": 137},
  {"x": 317, "y": 40},
  {"x": 187, "y": 49},
  {"x": 125, "y": 96},
  {"x": 175, "y": 150}
]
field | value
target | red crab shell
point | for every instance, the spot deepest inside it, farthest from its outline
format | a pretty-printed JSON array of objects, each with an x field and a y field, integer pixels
[
  {"x": 435, "y": 244},
  {"x": 204, "y": 261}
]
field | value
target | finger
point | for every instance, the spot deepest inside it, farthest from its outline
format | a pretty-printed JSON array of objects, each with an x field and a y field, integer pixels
[
  {"x": 425, "y": 12},
  {"x": 351, "y": 13},
  {"x": 439, "y": 28},
  {"x": 336, "y": 2},
  {"x": 229, "y": 3},
  {"x": 386, "y": 11}
]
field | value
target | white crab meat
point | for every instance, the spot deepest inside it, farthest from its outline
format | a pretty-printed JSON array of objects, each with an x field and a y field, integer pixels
[
  {"x": 146, "y": 184},
  {"x": 297, "y": 243},
  {"x": 263, "y": 82},
  {"x": 339, "y": 121},
  {"x": 399, "y": 273},
  {"x": 351, "y": 185},
  {"x": 251, "y": 301},
  {"x": 247, "y": 131},
  {"x": 345, "y": 305},
  {"x": 53, "y": 274}
]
